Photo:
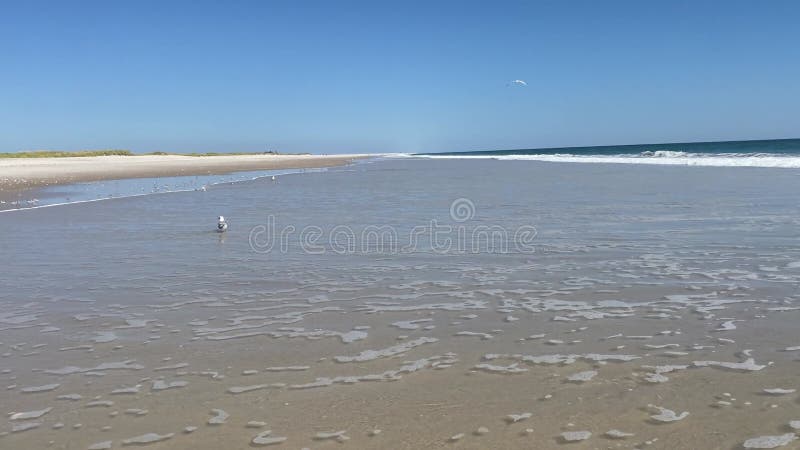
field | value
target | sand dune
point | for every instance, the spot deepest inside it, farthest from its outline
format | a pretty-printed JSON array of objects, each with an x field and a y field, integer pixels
[{"x": 31, "y": 172}]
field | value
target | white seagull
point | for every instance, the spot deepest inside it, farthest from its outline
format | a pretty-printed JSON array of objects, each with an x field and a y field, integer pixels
[
  {"x": 221, "y": 225},
  {"x": 518, "y": 82}
]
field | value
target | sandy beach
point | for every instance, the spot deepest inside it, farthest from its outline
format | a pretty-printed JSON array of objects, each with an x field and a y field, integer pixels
[
  {"x": 25, "y": 173},
  {"x": 427, "y": 226},
  {"x": 655, "y": 312}
]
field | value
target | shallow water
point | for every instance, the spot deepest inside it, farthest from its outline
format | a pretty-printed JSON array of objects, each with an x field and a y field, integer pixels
[
  {"x": 58, "y": 195},
  {"x": 114, "y": 308}
]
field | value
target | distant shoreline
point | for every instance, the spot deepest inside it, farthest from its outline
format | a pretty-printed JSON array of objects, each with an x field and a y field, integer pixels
[
  {"x": 21, "y": 174},
  {"x": 114, "y": 152}
]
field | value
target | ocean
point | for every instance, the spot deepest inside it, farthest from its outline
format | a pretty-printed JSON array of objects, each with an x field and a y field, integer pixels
[
  {"x": 410, "y": 302},
  {"x": 779, "y": 153}
]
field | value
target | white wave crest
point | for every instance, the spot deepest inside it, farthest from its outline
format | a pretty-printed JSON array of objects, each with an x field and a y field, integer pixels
[
  {"x": 661, "y": 157},
  {"x": 663, "y": 154}
]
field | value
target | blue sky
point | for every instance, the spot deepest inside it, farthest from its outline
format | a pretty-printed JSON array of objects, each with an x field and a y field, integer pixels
[{"x": 343, "y": 76}]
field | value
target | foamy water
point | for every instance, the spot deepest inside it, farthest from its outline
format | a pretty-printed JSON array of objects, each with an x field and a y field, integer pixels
[
  {"x": 658, "y": 310},
  {"x": 669, "y": 158},
  {"x": 776, "y": 153}
]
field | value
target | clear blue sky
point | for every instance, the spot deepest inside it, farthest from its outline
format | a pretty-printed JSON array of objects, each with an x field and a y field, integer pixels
[{"x": 401, "y": 76}]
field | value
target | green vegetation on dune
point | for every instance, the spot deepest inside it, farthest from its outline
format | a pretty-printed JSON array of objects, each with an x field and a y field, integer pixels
[
  {"x": 56, "y": 154},
  {"x": 67, "y": 154}
]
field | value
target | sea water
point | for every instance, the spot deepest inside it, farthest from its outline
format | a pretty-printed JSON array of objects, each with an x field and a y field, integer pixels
[
  {"x": 411, "y": 303},
  {"x": 777, "y": 153}
]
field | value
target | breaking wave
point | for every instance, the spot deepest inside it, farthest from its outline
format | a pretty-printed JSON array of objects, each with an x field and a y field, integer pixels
[
  {"x": 660, "y": 157},
  {"x": 780, "y": 153}
]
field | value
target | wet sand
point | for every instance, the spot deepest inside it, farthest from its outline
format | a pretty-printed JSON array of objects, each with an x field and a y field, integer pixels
[
  {"x": 666, "y": 288},
  {"x": 21, "y": 174}
]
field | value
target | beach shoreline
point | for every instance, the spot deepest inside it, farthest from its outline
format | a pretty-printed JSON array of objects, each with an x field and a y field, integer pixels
[
  {"x": 24, "y": 174},
  {"x": 396, "y": 296}
]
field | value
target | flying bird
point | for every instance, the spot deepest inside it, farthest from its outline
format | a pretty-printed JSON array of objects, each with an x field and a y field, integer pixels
[{"x": 518, "y": 83}]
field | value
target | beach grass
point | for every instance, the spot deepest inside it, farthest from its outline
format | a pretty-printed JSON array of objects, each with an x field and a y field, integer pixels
[
  {"x": 62, "y": 154},
  {"x": 84, "y": 153}
]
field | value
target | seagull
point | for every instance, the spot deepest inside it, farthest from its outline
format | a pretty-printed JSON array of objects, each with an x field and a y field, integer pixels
[
  {"x": 518, "y": 82},
  {"x": 221, "y": 225}
]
